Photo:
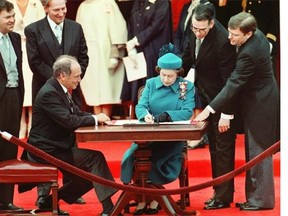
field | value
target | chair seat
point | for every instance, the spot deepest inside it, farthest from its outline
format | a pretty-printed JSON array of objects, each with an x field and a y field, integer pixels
[
  {"x": 17, "y": 171},
  {"x": 25, "y": 172}
]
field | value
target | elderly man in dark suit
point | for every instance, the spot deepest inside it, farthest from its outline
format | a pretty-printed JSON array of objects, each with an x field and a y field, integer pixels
[
  {"x": 54, "y": 119},
  {"x": 213, "y": 62},
  {"x": 46, "y": 40},
  {"x": 254, "y": 85},
  {"x": 51, "y": 37},
  {"x": 11, "y": 93}
]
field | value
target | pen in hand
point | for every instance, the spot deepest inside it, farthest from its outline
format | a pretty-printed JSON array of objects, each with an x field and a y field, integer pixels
[{"x": 149, "y": 118}]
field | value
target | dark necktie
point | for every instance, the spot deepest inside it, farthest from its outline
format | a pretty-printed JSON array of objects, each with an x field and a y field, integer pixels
[{"x": 69, "y": 97}]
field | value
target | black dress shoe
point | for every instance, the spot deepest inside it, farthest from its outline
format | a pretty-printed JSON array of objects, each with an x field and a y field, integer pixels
[
  {"x": 248, "y": 207},
  {"x": 45, "y": 204},
  {"x": 10, "y": 206},
  {"x": 215, "y": 204},
  {"x": 239, "y": 204},
  {"x": 80, "y": 200},
  {"x": 151, "y": 211},
  {"x": 209, "y": 200},
  {"x": 61, "y": 212}
]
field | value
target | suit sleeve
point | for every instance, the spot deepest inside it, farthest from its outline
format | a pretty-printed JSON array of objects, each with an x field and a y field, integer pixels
[{"x": 54, "y": 106}]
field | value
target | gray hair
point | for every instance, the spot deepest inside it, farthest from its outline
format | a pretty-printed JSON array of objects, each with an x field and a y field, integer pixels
[
  {"x": 246, "y": 22},
  {"x": 63, "y": 65}
]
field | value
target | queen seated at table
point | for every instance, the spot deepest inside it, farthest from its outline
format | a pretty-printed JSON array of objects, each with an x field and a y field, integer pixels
[{"x": 165, "y": 98}]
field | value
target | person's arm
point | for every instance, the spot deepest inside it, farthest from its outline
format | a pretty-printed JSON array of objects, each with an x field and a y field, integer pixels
[{"x": 54, "y": 106}]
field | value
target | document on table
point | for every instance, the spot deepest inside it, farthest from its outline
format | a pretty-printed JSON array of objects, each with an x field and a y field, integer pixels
[
  {"x": 185, "y": 122},
  {"x": 135, "y": 122},
  {"x": 136, "y": 67}
]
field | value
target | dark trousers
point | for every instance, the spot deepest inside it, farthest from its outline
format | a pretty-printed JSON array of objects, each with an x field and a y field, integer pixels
[
  {"x": 10, "y": 115},
  {"x": 88, "y": 160},
  {"x": 222, "y": 153}
]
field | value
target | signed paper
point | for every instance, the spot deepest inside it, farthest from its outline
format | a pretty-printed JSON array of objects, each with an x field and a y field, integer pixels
[{"x": 135, "y": 66}]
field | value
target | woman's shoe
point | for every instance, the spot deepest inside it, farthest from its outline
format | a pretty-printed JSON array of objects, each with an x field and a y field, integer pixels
[
  {"x": 154, "y": 207},
  {"x": 141, "y": 209},
  {"x": 151, "y": 211}
]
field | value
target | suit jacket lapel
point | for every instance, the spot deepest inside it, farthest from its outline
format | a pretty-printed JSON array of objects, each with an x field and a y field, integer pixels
[
  {"x": 68, "y": 35},
  {"x": 49, "y": 37},
  {"x": 59, "y": 88},
  {"x": 205, "y": 46}
]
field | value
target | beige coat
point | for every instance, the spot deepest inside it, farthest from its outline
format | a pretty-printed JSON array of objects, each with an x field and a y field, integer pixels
[
  {"x": 104, "y": 28},
  {"x": 34, "y": 12}
]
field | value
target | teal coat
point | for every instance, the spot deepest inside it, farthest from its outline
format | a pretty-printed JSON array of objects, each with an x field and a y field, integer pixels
[{"x": 166, "y": 156}]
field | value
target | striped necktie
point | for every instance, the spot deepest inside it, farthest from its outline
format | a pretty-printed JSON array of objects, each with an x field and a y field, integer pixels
[{"x": 69, "y": 97}]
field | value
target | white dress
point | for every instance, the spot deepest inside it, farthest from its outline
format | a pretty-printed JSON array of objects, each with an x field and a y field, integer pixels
[
  {"x": 34, "y": 12},
  {"x": 104, "y": 28}
]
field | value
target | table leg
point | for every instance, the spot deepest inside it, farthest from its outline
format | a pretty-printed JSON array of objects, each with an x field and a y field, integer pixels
[{"x": 142, "y": 169}]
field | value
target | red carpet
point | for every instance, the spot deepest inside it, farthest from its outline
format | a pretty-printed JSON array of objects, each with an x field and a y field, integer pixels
[{"x": 199, "y": 172}]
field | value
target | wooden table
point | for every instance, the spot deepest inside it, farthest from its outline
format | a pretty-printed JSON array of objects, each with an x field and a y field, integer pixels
[{"x": 142, "y": 135}]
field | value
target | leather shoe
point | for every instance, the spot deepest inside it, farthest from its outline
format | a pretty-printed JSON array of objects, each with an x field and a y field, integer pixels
[
  {"x": 215, "y": 204},
  {"x": 239, "y": 204},
  {"x": 80, "y": 200},
  {"x": 151, "y": 211},
  {"x": 248, "y": 207},
  {"x": 10, "y": 206},
  {"x": 45, "y": 204},
  {"x": 61, "y": 212},
  {"x": 209, "y": 200}
]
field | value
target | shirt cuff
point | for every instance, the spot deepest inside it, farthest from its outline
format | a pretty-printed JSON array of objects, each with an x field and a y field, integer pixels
[
  {"x": 226, "y": 116},
  {"x": 135, "y": 39},
  {"x": 210, "y": 109},
  {"x": 96, "y": 120}
]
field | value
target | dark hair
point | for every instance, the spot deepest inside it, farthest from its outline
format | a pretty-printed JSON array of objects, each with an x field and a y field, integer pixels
[
  {"x": 246, "y": 22},
  {"x": 63, "y": 65},
  {"x": 204, "y": 12},
  {"x": 6, "y": 5}
]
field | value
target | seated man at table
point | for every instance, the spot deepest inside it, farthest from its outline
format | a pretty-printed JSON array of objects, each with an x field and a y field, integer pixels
[
  {"x": 165, "y": 98},
  {"x": 55, "y": 117}
]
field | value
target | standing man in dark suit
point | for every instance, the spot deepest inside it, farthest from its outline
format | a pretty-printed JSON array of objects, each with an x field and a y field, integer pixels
[
  {"x": 51, "y": 37},
  {"x": 254, "y": 85},
  {"x": 11, "y": 93},
  {"x": 45, "y": 42},
  {"x": 213, "y": 62},
  {"x": 54, "y": 119},
  {"x": 266, "y": 12}
]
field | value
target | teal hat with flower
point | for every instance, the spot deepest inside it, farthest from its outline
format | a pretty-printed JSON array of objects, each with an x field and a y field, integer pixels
[{"x": 168, "y": 59}]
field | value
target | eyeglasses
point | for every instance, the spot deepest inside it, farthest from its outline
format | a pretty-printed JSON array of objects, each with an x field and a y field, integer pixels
[{"x": 200, "y": 30}]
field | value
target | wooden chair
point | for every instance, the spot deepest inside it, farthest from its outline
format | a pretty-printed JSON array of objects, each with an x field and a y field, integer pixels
[{"x": 25, "y": 172}]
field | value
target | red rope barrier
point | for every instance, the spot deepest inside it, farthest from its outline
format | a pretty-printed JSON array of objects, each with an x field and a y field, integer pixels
[{"x": 91, "y": 177}]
